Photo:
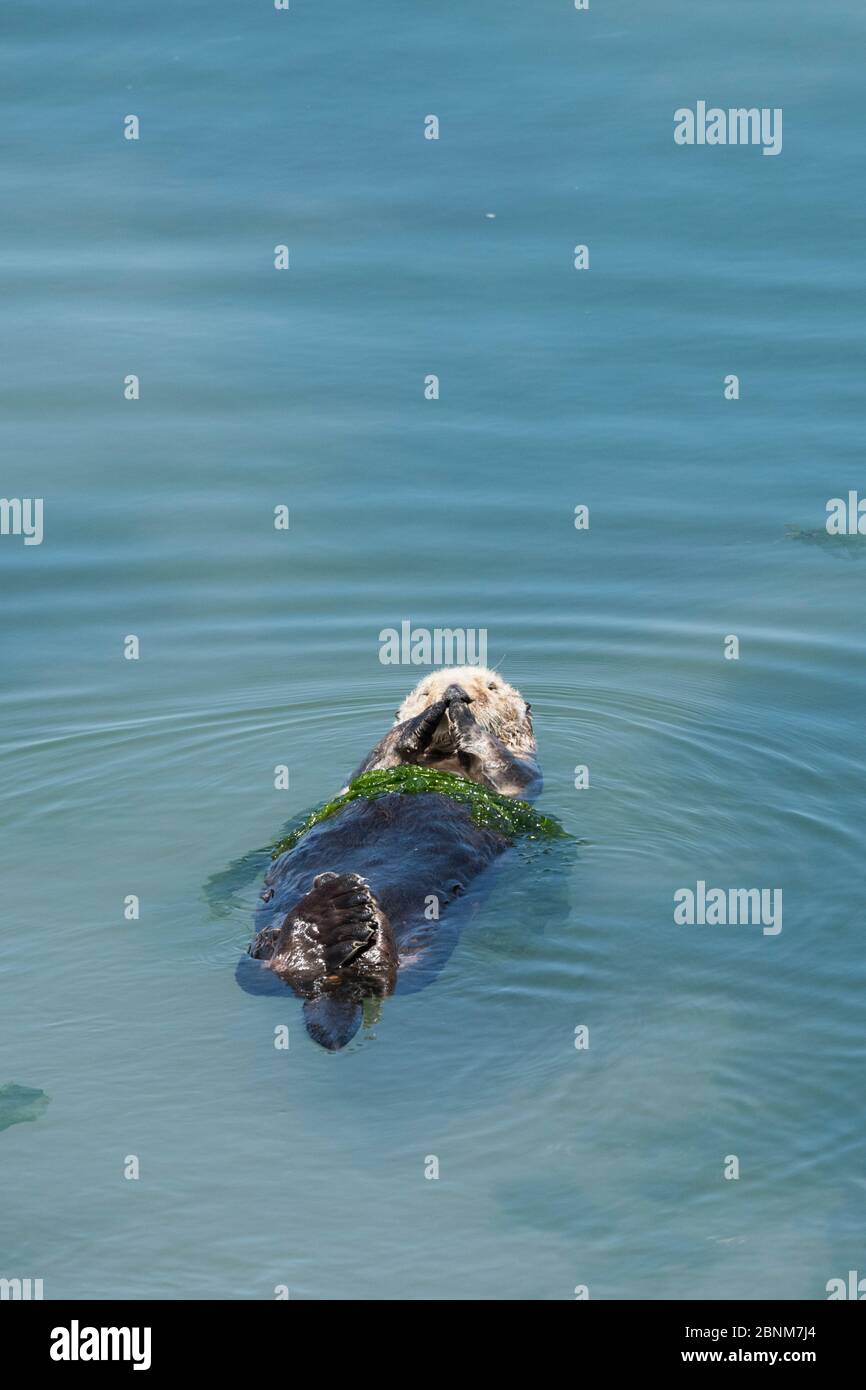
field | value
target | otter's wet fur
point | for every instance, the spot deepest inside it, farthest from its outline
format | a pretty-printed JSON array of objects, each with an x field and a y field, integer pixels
[{"x": 343, "y": 910}]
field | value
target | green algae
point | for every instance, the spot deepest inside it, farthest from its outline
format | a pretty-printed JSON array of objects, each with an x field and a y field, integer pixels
[
  {"x": 20, "y": 1103},
  {"x": 503, "y": 814}
]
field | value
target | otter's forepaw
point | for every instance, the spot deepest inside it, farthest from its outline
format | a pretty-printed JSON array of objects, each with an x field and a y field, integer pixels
[
  {"x": 462, "y": 723},
  {"x": 418, "y": 732}
]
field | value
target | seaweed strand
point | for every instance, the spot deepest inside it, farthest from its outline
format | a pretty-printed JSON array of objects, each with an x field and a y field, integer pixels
[{"x": 504, "y": 814}]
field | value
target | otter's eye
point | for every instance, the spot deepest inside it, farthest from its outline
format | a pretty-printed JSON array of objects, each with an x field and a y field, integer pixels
[{"x": 491, "y": 685}]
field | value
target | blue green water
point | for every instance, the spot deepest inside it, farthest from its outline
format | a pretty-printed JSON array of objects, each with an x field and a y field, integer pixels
[{"x": 558, "y": 1167}]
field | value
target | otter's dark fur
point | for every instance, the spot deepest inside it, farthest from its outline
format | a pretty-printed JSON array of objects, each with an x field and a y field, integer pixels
[{"x": 343, "y": 910}]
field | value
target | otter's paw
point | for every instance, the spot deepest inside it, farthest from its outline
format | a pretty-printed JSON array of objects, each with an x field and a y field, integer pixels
[
  {"x": 343, "y": 913},
  {"x": 417, "y": 733},
  {"x": 462, "y": 723}
]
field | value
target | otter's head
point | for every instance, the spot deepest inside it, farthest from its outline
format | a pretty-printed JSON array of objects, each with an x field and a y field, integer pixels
[{"x": 495, "y": 704}]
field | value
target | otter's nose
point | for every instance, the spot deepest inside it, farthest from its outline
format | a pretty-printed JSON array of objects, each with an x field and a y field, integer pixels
[{"x": 457, "y": 694}]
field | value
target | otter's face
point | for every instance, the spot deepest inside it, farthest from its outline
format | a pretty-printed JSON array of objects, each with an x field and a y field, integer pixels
[{"x": 495, "y": 704}]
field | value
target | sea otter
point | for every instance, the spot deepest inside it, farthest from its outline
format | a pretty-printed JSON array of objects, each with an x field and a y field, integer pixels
[{"x": 343, "y": 910}]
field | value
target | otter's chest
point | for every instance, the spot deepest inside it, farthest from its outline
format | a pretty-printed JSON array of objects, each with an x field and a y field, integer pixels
[{"x": 447, "y": 760}]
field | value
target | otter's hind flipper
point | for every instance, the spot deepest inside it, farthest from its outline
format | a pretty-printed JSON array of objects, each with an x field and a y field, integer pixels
[
  {"x": 332, "y": 1020},
  {"x": 336, "y": 934}
]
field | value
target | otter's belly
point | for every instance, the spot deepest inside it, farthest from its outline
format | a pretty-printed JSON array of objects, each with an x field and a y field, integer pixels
[{"x": 409, "y": 848}]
